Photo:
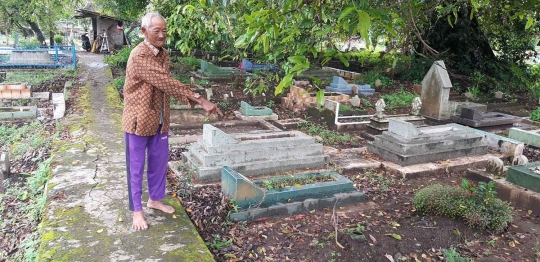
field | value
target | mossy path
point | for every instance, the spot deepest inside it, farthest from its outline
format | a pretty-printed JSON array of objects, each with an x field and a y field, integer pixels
[{"x": 86, "y": 216}]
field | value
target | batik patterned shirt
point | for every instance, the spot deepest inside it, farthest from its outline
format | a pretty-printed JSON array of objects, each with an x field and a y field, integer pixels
[{"x": 147, "y": 91}]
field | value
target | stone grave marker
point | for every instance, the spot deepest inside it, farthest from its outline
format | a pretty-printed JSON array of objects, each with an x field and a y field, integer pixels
[
  {"x": 339, "y": 85},
  {"x": 474, "y": 118},
  {"x": 436, "y": 91},
  {"x": 499, "y": 95},
  {"x": 250, "y": 67},
  {"x": 18, "y": 112},
  {"x": 4, "y": 165},
  {"x": 405, "y": 144},
  {"x": 59, "y": 105},
  {"x": 355, "y": 101},
  {"x": 213, "y": 136}
]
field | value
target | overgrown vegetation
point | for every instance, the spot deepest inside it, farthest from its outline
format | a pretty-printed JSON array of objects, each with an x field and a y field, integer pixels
[
  {"x": 475, "y": 203},
  {"x": 328, "y": 137},
  {"x": 120, "y": 59},
  {"x": 400, "y": 98},
  {"x": 295, "y": 181},
  {"x": 29, "y": 147}
]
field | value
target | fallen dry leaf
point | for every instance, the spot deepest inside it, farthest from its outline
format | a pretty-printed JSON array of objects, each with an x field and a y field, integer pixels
[
  {"x": 389, "y": 257},
  {"x": 373, "y": 239},
  {"x": 511, "y": 244},
  {"x": 173, "y": 216},
  {"x": 100, "y": 230}
]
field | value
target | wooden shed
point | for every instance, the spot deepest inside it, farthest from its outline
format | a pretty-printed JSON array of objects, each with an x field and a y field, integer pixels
[{"x": 104, "y": 24}]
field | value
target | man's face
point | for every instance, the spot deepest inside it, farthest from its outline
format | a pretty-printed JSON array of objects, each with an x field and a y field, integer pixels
[{"x": 156, "y": 33}]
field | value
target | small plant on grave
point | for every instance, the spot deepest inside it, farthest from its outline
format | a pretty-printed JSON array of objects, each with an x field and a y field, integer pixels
[
  {"x": 270, "y": 104},
  {"x": 366, "y": 102},
  {"x": 452, "y": 255},
  {"x": 400, "y": 98},
  {"x": 328, "y": 137},
  {"x": 190, "y": 61},
  {"x": 476, "y": 204},
  {"x": 258, "y": 83},
  {"x": 58, "y": 39},
  {"x": 535, "y": 115},
  {"x": 291, "y": 181}
]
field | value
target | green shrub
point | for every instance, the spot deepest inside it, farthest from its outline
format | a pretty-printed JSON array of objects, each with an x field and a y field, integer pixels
[
  {"x": 400, "y": 98},
  {"x": 451, "y": 255},
  {"x": 120, "y": 59},
  {"x": 535, "y": 115},
  {"x": 476, "y": 204},
  {"x": 31, "y": 43},
  {"x": 58, "y": 39},
  {"x": 119, "y": 82},
  {"x": 371, "y": 76},
  {"x": 192, "y": 62}
]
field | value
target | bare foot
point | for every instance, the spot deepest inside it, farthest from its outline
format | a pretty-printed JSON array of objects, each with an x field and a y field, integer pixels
[
  {"x": 139, "y": 223},
  {"x": 160, "y": 206}
]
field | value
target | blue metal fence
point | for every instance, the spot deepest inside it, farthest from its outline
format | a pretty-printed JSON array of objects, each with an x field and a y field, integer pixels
[{"x": 47, "y": 56}]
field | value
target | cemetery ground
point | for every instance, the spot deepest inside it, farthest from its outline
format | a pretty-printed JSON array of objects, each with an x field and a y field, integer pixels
[{"x": 385, "y": 228}]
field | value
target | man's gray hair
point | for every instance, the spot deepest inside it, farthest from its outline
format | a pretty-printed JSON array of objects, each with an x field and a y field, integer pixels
[{"x": 147, "y": 19}]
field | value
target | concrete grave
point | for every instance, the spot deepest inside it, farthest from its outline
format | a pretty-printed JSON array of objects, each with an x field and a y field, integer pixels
[
  {"x": 15, "y": 91},
  {"x": 32, "y": 57},
  {"x": 436, "y": 91},
  {"x": 504, "y": 145},
  {"x": 344, "y": 123},
  {"x": 255, "y": 154},
  {"x": 250, "y": 67},
  {"x": 475, "y": 118},
  {"x": 41, "y": 95},
  {"x": 339, "y": 85},
  {"x": 256, "y": 201},
  {"x": 249, "y": 112},
  {"x": 529, "y": 137},
  {"x": 378, "y": 125},
  {"x": 406, "y": 144},
  {"x": 59, "y": 105},
  {"x": 18, "y": 112},
  {"x": 527, "y": 176}
]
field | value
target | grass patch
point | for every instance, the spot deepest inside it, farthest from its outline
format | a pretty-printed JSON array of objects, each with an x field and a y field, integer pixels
[
  {"x": 400, "y": 98},
  {"x": 326, "y": 136}
]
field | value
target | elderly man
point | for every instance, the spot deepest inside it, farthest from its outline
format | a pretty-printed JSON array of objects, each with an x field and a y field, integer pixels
[{"x": 146, "y": 118}]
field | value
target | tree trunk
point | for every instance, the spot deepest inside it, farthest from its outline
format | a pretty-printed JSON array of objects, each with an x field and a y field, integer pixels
[
  {"x": 51, "y": 38},
  {"x": 37, "y": 31}
]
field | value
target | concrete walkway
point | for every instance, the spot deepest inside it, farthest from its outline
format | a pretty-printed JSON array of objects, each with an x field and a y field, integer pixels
[{"x": 86, "y": 216}]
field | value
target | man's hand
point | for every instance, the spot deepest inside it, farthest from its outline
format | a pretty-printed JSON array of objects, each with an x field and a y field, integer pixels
[{"x": 208, "y": 106}]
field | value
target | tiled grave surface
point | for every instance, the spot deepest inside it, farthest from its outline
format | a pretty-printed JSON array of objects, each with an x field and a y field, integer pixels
[
  {"x": 256, "y": 201},
  {"x": 475, "y": 118},
  {"x": 529, "y": 137},
  {"x": 406, "y": 144},
  {"x": 299, "y": 98},
  {"x": 527, "y": 176},
  {"x": 255, "y": 154}
]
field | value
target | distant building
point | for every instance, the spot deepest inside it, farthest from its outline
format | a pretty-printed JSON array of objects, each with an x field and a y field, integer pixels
[{"x": 101, "y": 24}]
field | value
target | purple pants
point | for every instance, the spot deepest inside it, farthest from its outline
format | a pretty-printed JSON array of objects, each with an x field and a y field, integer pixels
[{"x": 156, "y": 147}]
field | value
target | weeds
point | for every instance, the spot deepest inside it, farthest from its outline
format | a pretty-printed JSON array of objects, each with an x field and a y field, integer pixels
[
  {"x": 535, "y": 114},
  {"x": 400, "y": 98},
  {"x": 451, "y": 255},
  {"x": 218, "y": 242},
  {"x": 190, "y": 61},
  {"x": 327, "y": 136},
  {"x": 295, "y": 181}
]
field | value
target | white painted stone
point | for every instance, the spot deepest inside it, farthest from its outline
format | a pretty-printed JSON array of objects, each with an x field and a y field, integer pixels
[
  {"x": 59, "y": 105},
  {"x": 379, "y": 107},
  {"x": 520, "y": 160},
  {"x": 499, "y": 95},
  {"x": 4, "y": 165},
  {"x": 209, "y": 93},
  {"x": 416, "y": 106}
]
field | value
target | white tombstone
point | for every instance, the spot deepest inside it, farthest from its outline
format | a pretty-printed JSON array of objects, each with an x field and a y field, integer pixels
[
  {"x": 4, "y": 165},
  {"x": 213, "y": 136},
  {"x": 402, "y": 128},
  {"x": 435, "y": 92},
  {"x": 416, "y": 106},
  {"x": 499, "y": 95},
  {"x": 209, "y": 93},
  {"x": 59, "y": 105},
  {"x": 355, "y": 101},
  {"x": 379, "y": 107}
]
